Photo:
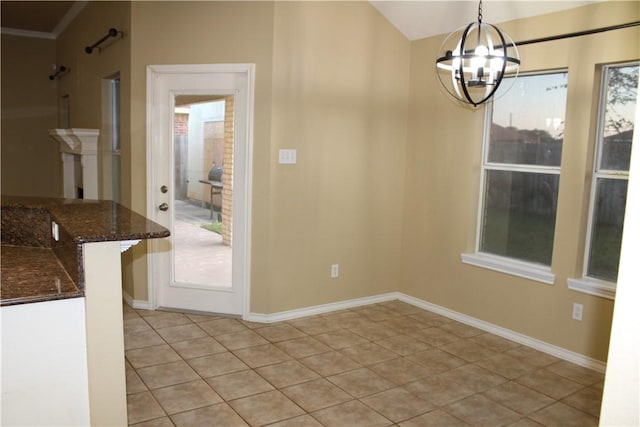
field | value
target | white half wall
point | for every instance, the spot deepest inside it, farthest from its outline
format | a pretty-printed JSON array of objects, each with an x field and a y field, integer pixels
[
  {"x": 621, "y": 396},
  {"x": 44, "y": 364}
]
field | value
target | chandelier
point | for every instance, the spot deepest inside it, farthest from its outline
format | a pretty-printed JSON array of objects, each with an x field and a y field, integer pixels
[{"x": 476, "y": 57}]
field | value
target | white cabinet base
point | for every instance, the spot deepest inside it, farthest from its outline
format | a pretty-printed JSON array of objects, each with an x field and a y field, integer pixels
[{"x": 44, "y": 364}]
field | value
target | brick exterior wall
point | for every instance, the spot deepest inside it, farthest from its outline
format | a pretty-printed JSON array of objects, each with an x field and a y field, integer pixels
[
  {"x": 181, "y": 124},
  {"x": 227, "y": 176},
  {"x": 213, "y": 153}
]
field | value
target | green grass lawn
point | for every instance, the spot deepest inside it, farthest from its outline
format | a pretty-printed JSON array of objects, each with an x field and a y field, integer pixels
[
  {"x": 215, "y": 226},
  {"x": 518, "y": 235},
  {"x": 529, "y": 238},
  {"x": 605, "y": 253}
]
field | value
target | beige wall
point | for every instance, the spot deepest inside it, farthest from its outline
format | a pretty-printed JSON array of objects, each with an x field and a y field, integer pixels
[
  {"x": 340, "y": 99},
  {"x": 343, "y": 110},
  {"x": 442, "y": 181},
  {"x": 30, "y": 160},
  {"x": 84, "y": 84}
]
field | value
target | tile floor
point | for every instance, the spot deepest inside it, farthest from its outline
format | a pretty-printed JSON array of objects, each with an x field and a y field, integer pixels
[{"x": 379, "y": 365}]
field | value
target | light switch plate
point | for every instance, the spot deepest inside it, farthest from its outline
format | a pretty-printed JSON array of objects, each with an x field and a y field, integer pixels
[{"x": 287, "y": 156}]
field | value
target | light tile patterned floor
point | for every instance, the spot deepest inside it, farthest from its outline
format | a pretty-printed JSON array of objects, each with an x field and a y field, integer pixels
[{"x": 379, "y": 365}]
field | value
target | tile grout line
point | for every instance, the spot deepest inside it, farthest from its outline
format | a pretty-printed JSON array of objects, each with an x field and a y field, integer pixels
[{"x": 354, "y": 330}]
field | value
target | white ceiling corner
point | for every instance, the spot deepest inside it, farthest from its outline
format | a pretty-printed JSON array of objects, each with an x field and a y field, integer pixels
[
  {"x": 419, "y": 19},
  {"x": 69, "y": 17}
]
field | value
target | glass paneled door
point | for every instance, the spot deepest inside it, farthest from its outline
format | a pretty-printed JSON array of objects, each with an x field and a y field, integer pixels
[
  {"x": 198, "y": 143},
  {"x": 203, "y": 190}
]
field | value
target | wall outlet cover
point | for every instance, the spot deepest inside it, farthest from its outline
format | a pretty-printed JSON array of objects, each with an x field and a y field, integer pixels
[
  {"x": 577, "y": 311},
  {"x": 287, "y": 156},
  {"x": 335, "y": 270}
]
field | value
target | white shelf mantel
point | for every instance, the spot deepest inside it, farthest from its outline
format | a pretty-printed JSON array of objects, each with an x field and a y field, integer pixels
[
  {"x": 82, "y": 143},
  {"x": 76, "y": 140}
]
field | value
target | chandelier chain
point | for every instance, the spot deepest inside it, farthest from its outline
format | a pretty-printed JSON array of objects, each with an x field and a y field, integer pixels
[{"x": 480, "y": 12}]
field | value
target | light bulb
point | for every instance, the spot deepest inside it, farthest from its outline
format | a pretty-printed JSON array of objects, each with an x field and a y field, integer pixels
[{"x": 478, "y": 61}]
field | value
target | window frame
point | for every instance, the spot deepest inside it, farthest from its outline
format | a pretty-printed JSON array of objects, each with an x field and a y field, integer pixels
[
  {"x": 111, "y": 138},
  {"x": 115, "y": 94},
  {"x": 588, "y": 284},
  {"x": 513, "y": 266}
]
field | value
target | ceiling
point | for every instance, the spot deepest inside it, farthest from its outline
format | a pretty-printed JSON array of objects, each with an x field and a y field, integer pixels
[
  {"x": 416, "y": 19},
  {"x": 39, "y": 16},
  {"x": 419, "y": 19}
]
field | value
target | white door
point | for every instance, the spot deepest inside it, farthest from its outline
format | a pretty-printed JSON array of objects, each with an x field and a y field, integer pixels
[{"x": 197, "y": 269}]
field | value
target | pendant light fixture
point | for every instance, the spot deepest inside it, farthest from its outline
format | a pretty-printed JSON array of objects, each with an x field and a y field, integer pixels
[{"x": 473, "y": 60}]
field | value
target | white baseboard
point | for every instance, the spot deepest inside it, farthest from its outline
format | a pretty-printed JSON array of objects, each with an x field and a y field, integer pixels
[
  {"x": 320, "y": 309},
  {"x": 545, "y": 347},
  {"x": 141, "y": 304}
]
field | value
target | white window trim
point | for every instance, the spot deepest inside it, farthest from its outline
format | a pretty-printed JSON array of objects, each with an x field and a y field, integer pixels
[
  {"x": 586, "y": 284},
  {"x": 512, "y": 266},
  {"x": 527, "y": 270},
  {"x": 591, "y": 286}
]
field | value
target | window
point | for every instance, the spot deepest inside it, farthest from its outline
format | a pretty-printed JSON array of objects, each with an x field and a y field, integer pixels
[
  {"x": 114, "y": 89},
  {"x": 520, "y": 176},
  {"x": 618, "y": 97}
]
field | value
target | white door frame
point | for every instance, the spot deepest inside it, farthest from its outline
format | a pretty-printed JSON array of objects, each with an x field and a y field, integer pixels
[{"x": 242, "y": 210}]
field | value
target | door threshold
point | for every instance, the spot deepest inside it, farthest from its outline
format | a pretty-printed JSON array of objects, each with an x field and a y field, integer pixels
[{"x": 199, "y": 313}]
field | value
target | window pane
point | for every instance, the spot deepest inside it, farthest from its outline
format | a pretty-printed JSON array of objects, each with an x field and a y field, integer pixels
[
  {"x": 115, "y": 114},
  {"x": 527, "y": 124},
  {"x": 618, "y": 121},
  {"x": 115, "y": 178},
  {"x": 519, "y": 215},
  {"x": 606, "y": 237}
]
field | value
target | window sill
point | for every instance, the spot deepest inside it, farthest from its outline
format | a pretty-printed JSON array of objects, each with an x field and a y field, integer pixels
[
  {"x": 596, "y": 287},
  {"x": 527, "y": 270}
]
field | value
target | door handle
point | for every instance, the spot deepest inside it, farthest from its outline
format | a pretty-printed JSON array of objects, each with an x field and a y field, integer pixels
[
  {"x": 164, "y": 189},
  {"x": 163, "y": 207}
]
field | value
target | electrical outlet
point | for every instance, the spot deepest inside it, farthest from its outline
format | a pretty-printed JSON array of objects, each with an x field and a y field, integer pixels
[
  {"x": 577, "y": 311},
  {"x": 335, "y": 270}
]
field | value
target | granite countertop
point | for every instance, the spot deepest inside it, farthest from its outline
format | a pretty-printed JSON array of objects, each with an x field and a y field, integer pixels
[
  {"x": 34, "y": 275},
  {"x": 92, "y": 220},
  {"x": 35, "y": 267}
]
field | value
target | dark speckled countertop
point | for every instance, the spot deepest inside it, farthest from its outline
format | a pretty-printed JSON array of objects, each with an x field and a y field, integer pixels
[
  {"x": 91, "y": 220},
  {"x": 33, "y": 275},
  {"x": 35, "y": 267}
]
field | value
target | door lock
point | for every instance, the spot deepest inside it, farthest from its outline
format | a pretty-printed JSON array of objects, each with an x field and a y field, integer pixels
[
  {"x": 163, "y": 207},
  {"x": 164, "y": 189}
]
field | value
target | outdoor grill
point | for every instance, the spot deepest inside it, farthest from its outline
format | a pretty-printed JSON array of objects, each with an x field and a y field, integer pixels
[
  {"x": 215, "y": 173},
  {"x": 214, "y": 181}
]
